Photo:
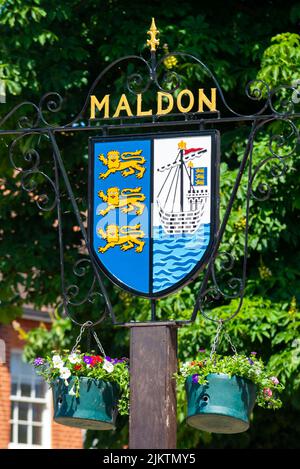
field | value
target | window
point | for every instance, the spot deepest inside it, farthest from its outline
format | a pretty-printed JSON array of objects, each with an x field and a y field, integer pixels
[{"x": 30, "y": 421}]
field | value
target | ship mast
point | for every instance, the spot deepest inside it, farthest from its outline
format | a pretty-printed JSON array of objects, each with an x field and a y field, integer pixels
[
  {"x": 191, "y": 186},
  {"x": 181, "y": 147}
]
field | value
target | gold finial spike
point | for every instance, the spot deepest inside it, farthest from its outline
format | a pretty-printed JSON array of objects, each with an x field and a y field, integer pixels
[
  {"x": 190, "y": 164},
  {"x": 153, "y": 31},
  {"x": 182, "y": 145}
]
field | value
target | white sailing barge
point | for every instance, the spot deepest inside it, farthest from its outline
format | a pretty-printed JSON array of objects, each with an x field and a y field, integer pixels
[{"x": 180, "y": 174}]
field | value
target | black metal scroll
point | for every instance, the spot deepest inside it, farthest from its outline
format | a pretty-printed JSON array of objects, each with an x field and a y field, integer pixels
[{"x": 36, "y": 126}]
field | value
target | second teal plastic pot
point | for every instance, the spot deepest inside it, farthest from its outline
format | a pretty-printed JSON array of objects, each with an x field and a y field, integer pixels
[{"x": 223, "y": 405}]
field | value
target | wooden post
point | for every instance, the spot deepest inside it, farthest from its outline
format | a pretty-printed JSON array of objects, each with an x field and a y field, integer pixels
[{"x": 153, "y": 361}]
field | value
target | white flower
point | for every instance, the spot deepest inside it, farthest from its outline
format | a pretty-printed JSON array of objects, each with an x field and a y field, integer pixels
[
  {"x": 184, "y": 369},
  {"x": 109, "y": 367},
  {"x": 74, "y": 358},
  {"x": 65, "y": 373},
  {"x": 57, "y": 361},
  {"x": 72, "y": 392}
]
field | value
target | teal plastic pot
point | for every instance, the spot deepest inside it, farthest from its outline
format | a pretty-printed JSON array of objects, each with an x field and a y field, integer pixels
[
  {"x": 95, "y": 408},
  {"x": 223, "y": 405}
]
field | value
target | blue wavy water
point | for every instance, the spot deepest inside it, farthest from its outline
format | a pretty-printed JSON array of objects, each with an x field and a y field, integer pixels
[{"x": 174, "y": 256}]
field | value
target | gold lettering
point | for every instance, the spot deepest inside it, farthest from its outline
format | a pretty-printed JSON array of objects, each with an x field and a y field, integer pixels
[
  {"x": 139, "y": 111},
  {"x": 160, "y": 110},
  {"x": 165, "y": 104},
  {"x": 95, "y": 104},
  {"x": 191, "y": 98},
  {"x": 123, "y": 106},
  {"x": 203, "y": 99}
]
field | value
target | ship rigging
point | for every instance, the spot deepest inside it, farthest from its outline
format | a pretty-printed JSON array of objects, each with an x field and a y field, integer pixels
[{"x": 183, "y": 182}]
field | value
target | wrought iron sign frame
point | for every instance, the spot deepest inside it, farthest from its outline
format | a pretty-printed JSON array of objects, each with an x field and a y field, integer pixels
[{"x": 52, "y": 102}]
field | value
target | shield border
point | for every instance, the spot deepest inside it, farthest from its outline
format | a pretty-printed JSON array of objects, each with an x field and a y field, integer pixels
[{"x": 215, "y": 202}]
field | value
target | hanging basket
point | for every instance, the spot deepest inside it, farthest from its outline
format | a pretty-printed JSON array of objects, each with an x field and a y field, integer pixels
[
  {"x": 223, "y": 405},
  {"x": 95, "y": 408}
]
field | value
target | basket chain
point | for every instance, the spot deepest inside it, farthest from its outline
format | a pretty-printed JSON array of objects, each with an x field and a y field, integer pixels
[
  {"x": 88, "y": 325},
  {"x": 217, "y": 340}
]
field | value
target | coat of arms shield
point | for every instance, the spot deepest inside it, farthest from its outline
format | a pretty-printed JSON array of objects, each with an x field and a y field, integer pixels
[{"x": 153, "y": 208}]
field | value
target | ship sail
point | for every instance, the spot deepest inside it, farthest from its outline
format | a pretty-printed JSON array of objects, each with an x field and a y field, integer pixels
[{"x": 183, "y": 196}]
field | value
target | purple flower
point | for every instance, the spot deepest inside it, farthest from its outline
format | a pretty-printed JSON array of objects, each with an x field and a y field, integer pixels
[
  {"x": 202, "y": 350},
  {"x": 195, "y": 378},
  {"x": 250, "y": 361},
  {"x": 38, "y": 361},
  {"x": 108, "y": 359},
  {"x": 116, "y": 360},
  {"x": 88, "y": 360},
  {"x": 253, "y": 353}
]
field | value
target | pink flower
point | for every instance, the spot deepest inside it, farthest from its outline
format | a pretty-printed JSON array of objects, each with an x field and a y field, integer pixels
[
  {"x": 274, "y": 380},
  {"x": 267, "y": 392}
]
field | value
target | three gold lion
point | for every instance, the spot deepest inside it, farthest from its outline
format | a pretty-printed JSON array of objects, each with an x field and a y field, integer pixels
[
  {"x": 128, "y": 162},
  {"x": 131, "y": 237},
  {"x": 126, "y": 199}
]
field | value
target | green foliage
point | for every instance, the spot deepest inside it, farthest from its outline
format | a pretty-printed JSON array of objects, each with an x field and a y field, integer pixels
[
  {"x": 281, "y": 61},
  {"x": 41, "y": 341},
  {"x": 262, "y": 325},
  {"x": 8, "y": 310},
  {"x": 251, "y": 368}
]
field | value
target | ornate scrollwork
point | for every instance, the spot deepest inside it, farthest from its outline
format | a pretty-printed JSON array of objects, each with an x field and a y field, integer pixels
[
  {"x": 264, "y": 189},
  {"x": 281, "y": 146},
  {"x": 257, "y": 89},
  {"x": 234, "y": 285},
  {"x": 52, "y": 102},
  {"x": 136, "y": 83},
  {"x": 254, "y": 89},
  {"x": 71, "y": 293},
  {"x": 23, "y": 121},
  {"x": 280, "y": 102},
  {"x": 29, "y": 184},
  {"x": 284, "y": 145},
  {"x": 80, "y": 269},
  {"x": 29, "y": 168},
  {"x": 33, "y": 177},
  {"x": 283, "y": 98},
  {"x": 169, "y": 80},
  {"x": 234, "y": 288}
]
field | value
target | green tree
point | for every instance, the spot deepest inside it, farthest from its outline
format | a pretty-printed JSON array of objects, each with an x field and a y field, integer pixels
[{"x": 62, "y": 48}]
